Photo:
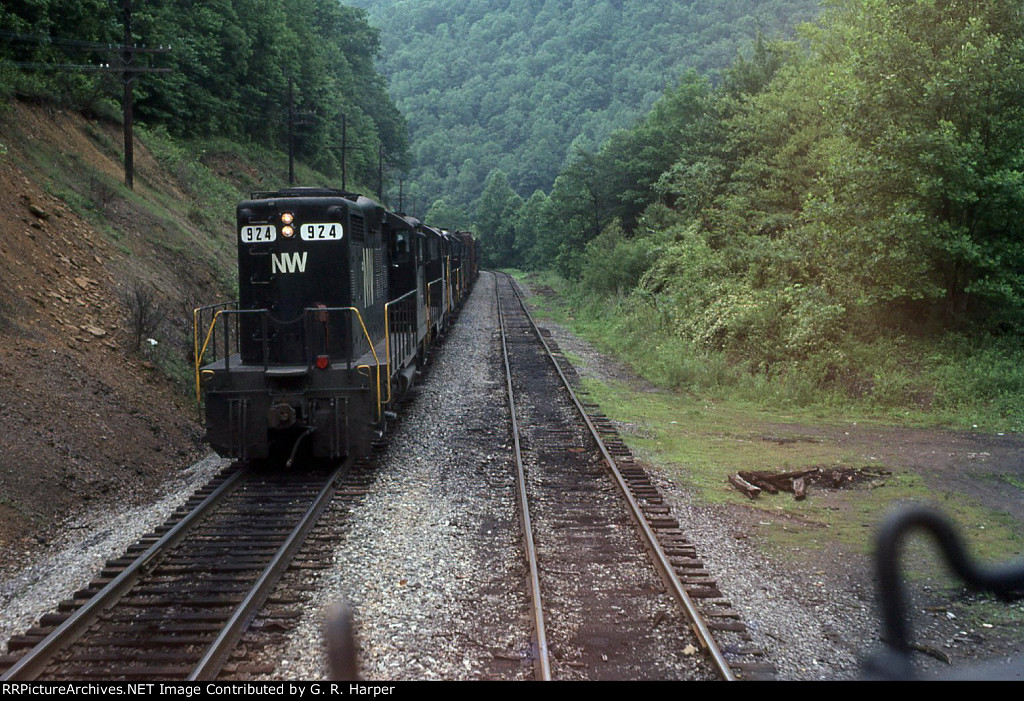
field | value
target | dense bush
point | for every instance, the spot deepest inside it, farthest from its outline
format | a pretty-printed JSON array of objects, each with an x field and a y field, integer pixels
[{"x": 830, "y": 214}]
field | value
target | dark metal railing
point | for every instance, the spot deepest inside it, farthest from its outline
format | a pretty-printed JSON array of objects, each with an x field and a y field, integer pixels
[
  {"x": 400, "y": 330},
  {"x": 1005, "y": 581}
]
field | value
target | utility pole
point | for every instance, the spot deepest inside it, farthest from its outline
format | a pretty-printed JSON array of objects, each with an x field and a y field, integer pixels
[
  {"x": 344, "y": 152},
  {"x": 380, "y": 173},
  {"x": 291, "y": 133},
  {"x": 126, "y": 52},
  {"x": 127, "y": 78},
  {"x": 128, "y": 72}
]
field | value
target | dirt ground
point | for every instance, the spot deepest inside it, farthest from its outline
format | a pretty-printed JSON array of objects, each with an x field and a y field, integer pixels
[{"x": 86, "y": 421}]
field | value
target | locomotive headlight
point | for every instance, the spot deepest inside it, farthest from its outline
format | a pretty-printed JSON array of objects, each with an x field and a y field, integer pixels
[
  {"x": 287, "y": 218},
  {"x": 287, "y": 232}
]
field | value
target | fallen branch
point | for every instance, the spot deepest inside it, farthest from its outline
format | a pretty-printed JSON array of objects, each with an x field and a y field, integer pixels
[{"x": 755, "y": 479}]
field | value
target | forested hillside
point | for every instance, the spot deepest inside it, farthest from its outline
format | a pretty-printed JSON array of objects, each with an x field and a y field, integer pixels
[
  {"x": 230, "y": 65},
  {"x": 513, "y": 85},
  {"x": 839, "y": 214}
]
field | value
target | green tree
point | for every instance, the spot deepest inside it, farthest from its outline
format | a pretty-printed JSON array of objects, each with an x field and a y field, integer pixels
[
  {"x": 614, "y": 264},
  {"x": 447, "y": 215},
  {"x": 530, "y": 231},
  {"x": 496, "y": 215}
]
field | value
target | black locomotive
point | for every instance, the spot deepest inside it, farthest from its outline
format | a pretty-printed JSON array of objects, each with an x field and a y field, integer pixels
[{"x": 339, "y": 303}]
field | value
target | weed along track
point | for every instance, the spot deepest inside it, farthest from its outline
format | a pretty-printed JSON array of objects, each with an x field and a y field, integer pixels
[{"x": 596, "y": 526}]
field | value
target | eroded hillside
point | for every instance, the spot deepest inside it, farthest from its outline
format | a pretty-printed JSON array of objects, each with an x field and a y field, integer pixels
[{"x": 86, "y": 416}]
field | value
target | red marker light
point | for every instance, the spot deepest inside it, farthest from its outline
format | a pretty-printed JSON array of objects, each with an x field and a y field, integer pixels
[{"x": 322, "y": 362}]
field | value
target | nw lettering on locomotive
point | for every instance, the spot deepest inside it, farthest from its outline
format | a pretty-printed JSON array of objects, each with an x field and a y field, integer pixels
[{"x": 288, "y": 262}]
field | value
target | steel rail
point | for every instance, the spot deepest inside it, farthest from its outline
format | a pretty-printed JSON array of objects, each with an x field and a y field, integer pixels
[
  {"x": 543, "y": 662},
  {"x": 217, "y": 654},
  {"x": 29, "y": 667},
  {"x": 661, "y": 560}
]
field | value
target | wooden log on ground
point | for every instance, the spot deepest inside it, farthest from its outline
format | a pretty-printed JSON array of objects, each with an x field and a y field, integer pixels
[
  {"x": 744, "y": 486},
  {"x": 756, "y": 479},
  {"x": 814, "y": 471}
]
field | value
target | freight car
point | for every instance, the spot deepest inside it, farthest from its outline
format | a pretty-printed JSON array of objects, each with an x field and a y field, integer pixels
[{"x": 340, "y": 301}]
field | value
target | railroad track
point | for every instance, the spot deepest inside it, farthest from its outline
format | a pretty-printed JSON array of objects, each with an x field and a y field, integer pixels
[
  {"x": 574, "y": 536},
  {"x": 175, "y": 605}
]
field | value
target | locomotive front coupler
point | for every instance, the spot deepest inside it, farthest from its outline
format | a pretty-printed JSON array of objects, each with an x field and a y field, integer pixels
[{"x": 281, "y": 415}]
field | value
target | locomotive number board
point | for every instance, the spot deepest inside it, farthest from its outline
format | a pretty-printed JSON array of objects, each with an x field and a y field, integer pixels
[
  {"x": 258, "y": 233},
  {"x": 321, "y": 232}
]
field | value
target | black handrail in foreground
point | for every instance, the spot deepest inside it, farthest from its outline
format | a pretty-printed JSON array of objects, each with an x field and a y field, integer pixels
[{"x": 1005, "y": 581}]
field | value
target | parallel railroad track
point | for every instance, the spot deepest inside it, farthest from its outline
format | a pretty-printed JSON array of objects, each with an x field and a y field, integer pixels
[
  {"x": 559, "y": 458},
  {"x": 175, "y": 605}
]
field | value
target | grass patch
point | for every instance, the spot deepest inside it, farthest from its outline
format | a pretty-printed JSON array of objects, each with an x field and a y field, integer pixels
[
  {"x": 949, "y": 381},
  {"x": 698, "y": 443},
  {"x": 1014, "y": 481},
  {"x": 985, "y": 611}
]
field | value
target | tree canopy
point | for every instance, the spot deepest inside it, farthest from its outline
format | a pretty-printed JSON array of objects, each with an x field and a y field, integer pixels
[
  {"x": 231, "y": 62},
  {"x": 493, "y": 85},
  {"x": 865, "y": 178}
]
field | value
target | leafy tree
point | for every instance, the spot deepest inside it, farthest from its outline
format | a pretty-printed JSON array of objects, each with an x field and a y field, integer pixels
[
  {"x": 881, "y": 165},
  {"x": 446, "y": 215},
  {"x": 61, "y": 24},
  {"x": 863, "y": 180},
  {"x": 231, "y": 62},
  {"x": 530, "y": 231},
  {"x": 614, "y": 264},
  {"x": 496, "y": 216}
]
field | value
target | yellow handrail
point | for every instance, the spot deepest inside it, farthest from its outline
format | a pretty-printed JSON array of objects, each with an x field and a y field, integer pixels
[
  {"x": 380, "y": 410},
  {"x": 213, "y": 324},
  {"x": 200, "y": 354},
  {"x": 387, "y": 347}
]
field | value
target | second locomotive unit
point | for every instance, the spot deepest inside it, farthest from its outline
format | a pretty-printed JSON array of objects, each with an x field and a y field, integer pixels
[{"x": 339, "y": 303}]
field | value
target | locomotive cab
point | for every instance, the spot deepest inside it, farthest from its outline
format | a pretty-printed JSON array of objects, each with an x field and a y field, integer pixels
[{"x": 302, "y": 354}]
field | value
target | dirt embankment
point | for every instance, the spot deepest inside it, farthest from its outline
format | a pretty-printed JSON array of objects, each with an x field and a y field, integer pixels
[{"x": 85, "y": 417}]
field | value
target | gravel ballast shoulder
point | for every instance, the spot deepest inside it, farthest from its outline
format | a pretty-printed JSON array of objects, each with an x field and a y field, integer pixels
[
  {"x": 430, "y": 563},
  {"x": 80, "y": 547}
]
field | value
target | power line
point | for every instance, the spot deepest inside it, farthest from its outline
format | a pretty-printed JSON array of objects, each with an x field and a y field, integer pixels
[
  {"x": 77, "y": 44},
  {"x": 126, "y": 52}
]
